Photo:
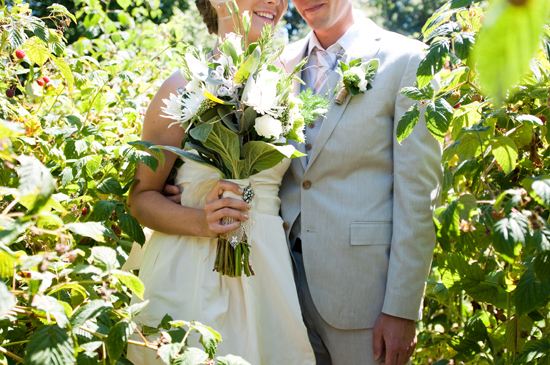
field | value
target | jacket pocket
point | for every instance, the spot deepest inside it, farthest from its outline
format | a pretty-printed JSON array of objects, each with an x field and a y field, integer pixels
[{"x": 370, "y": 233}]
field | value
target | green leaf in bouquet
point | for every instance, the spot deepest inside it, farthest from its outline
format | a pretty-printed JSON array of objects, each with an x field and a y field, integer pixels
[
  {"x": 89, "y": 311},
  {"x": 407, "y": 123},
  {"x": 197, "y": 68},
  {"x": 226, "y": 116},
  {"x": 131, "y": 227},
  {"x": 251, "y": 48},
  {"x": 193, "y": 157},
  {"x": 260, "y": 156},
  {"x": 506, "y": 153},
  {"x": 250, "y": 66},
  {"x": 191, "y": 356},
  {"x": 248, "y": 119},
  {"x": 131, "y": 281},
  {"x": 49, "y": 345},
  {"x": 228, "y": 49},
  {"x": 226, "y": 143},
  {"x": 117, "y": 338},
  {"x": 110, "y": 186},
  {"x": 201, "y": 131}
]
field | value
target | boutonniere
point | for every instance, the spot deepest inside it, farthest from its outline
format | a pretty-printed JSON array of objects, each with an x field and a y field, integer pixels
[{"x": 356, "y": 78}]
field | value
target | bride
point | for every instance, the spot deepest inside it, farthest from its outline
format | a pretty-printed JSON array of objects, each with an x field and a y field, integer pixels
[{"x": 258, "y": 317}]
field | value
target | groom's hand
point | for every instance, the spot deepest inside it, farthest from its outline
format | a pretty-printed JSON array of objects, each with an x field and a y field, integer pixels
[{"x": 394, "y": 339}]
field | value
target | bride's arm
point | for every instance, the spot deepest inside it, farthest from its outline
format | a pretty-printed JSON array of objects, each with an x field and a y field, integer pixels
[{"x": 151, "y": 207}]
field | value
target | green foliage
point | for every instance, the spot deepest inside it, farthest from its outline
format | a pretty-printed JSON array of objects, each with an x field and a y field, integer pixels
[
  {"x": 488, "y": 295},
  {"x": 70, "y": 121}
]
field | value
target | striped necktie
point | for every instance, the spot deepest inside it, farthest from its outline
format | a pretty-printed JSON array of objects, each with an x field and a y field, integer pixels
[{"x": 326, "y": 62}]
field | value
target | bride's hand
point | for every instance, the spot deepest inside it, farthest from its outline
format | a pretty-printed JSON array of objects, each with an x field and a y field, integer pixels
[{"x": 216, "y": 208}]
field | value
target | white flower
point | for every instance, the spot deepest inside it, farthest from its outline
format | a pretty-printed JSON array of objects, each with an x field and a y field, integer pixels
[
  {"x": 236, "y": 41},
  {"x": 268, "y": 127},
  {"x": 363, "y": 85},
  {"x": 182, "y": 108},
  {"x": 262, "y": 92},
  {"x": 174, "y": 107}
]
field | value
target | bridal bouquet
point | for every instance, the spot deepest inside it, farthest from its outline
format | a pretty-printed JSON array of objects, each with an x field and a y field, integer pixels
[{"x": 239, "y": 116}]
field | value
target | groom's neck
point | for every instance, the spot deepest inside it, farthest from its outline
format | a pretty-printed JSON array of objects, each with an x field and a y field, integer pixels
[{"x": 327, "y": 37}]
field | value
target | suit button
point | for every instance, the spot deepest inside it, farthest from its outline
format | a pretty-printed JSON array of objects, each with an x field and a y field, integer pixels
[
  {"x": 291, "y": 236},
  {"x": 311, "y": 125},
  {"x": 309, "y": 147},
  {"x": 306, "y": 185},
  {"x": 286, "y": 226}
]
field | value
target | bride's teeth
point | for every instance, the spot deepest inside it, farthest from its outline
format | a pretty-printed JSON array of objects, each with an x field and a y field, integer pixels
[{"x": 266, "y": 15}]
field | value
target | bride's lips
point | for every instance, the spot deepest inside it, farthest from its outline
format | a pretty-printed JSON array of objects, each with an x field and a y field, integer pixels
[{"x": 266, "y": 16}]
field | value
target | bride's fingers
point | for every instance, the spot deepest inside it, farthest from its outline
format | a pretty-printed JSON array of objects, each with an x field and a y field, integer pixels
[
  {"x": 220, "y": 187},
  {"x": 218, "y": 228},
  {"x": 216, "y": 216},
  {"x": 226, "y": 203}
]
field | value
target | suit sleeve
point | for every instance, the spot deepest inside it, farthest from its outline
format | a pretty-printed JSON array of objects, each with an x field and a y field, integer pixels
[{"x": 416, "y": 193}]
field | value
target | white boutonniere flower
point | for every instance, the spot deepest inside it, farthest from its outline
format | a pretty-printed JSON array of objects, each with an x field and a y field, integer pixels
[{"x": 356, "y": 78}]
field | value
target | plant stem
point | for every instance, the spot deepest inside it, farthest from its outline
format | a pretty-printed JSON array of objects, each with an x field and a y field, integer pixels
[{"x": 12, "y": 355}]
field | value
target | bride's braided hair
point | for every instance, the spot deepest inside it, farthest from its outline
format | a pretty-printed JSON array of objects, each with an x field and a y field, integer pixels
[{"x": 209, "y": 15}]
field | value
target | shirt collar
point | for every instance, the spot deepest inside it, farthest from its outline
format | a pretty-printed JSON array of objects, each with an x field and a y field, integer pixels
[{"x": 345, "y": 42}]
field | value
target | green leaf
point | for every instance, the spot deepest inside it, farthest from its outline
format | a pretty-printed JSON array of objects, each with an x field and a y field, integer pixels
[
  {"x": 134, "y": 309},
  {"x": 7, "y": 264},
  {"x": 541, "y": 265},
  {"x": 192, "y": 156},
  {"x": 131, "y": 227},
  {"x": 37, "y": 51},
  {"x": 532, "y": 350},
  {"x": 201, "y": 131},
  {"x": 39, "y": 29},
  {"x": 249, "y": 66},
  {"x": 124, "y": 3},
  {"x": 506, "y": 153},
  {"x": 16, "y": 35},
  {"x": 49, "y": 345},
  {"x": 65, "y": 71},
  {"x": 104, "y": 258},
  {"x": 191, "y": 356},
  {"x": 52, "y": 307},
  {"x": 461, "y": 3},
  {"x": 539, "y": 188},
  {"x": 87, "y": 358},
  {"x": 110, "y": 186},
  {"x": 89, "y": 311},
  {"x": 464, "y": 43},
  {"x": 131, "y": 281},
  {"x": 116, "y": 339},
  {"x": 513, "y": 339},
  {"x": 94, "y": 230},
  {"x": 433, "y": 62},
  {"x": 438, "y": 118},
  {"x": 60, "y": 9},
  {"x": 103, "y": 209},
  {"x": 209, "y": 340},
  {"x": 415, "y": 94},
  {"x": 509, "y": 233},
  {"x": 35, "y": 178},
  {"x": 507, "y": 42},
  {"x": 226, "y": 143},
  {"x": 530, "y": 293},
  {"x": 7, "y": 299},
  {"x": 407, "y": 123},
  {"x": 260, "y": 156}
]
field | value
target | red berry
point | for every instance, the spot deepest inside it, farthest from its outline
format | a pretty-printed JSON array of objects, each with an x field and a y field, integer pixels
[
  {"x": 543, "y": 119},
  {"x": 46, "y": 79},
  {"x": 84, "y": 210},
  {"x": 10, "y": 93},
  {"x": 40, "y": 82},
  {"x": 113, "y": 212},
  {"x": 20, "y": 54},
  {"x": 457, "y": 106}
]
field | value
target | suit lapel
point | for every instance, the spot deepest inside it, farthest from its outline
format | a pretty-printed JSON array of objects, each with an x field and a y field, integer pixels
[{"x": 365, "y": 50}]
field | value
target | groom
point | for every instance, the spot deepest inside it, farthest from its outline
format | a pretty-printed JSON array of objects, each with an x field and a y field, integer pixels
[{"x": 358, "y": 208}]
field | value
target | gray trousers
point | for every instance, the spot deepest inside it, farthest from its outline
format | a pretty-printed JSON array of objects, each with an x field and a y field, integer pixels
[{"x": 332, "y": 346}]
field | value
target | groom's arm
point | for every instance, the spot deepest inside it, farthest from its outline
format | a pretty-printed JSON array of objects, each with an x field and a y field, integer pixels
[{"x": 417, "y": 181}]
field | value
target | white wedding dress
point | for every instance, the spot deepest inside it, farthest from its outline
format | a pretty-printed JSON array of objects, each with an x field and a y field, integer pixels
[{"x": 258, "y": 317}]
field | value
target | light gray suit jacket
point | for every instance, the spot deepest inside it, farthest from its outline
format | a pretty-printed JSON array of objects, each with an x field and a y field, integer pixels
[{"x": 365, "y": 200}]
